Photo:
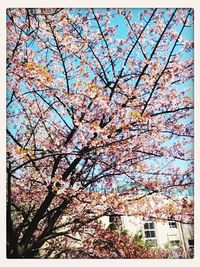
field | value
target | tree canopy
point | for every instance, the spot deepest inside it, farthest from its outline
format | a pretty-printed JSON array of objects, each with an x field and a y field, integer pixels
[{"x": 97, "y": 100}]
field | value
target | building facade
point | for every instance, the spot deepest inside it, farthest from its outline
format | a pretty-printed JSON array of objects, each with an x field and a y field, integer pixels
[{"x": 161, "y": 234}]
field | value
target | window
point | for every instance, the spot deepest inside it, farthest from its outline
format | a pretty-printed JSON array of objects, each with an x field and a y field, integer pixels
[
  {"x": 191, "y": 243},
  {"x": 115, "y": 222},
  {"x": 149, "y": 225},
  {"x": 111, "y": 218},
  {"x": 172, "y": 224},
  {"x": 175, "y": 243},
  {"x": 150, "y": 232},
  {"x": 191, "y": 247}
]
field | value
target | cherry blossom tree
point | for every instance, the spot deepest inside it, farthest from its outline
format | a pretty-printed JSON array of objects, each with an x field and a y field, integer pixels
[{"x": 99, "y": 110}]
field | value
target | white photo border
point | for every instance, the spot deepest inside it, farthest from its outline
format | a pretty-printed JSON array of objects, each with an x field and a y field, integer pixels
[{"x": 100, "y": 4}]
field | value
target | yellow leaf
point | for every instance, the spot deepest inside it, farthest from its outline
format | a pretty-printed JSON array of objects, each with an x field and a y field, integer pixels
[
  {"x": 134, "y": 166},
  {"x": 29, "y": 65},
  {"x": 95, "y": 125},
  {"x": 136, "y": 115},
  {"x": 141, "y": 168},
  {"x": 39, "y": 69},
  {"x": 124, "y": 127},
  {"x": 82, "y": 69},
  {"x": 112, "y": 128},
  {"x": 55, "y": 189},
  {"x": 32, "y": 156},
  {"x": 96, "y": 87},
  {"x": 138, "y": 166},
  {"x": 61, "y": 18},
  {"x": 20, "y": 151},
  {"x": 55, "y": 179}
]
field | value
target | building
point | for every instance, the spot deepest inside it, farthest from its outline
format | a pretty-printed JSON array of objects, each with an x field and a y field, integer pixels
[{"x": 161, "y": 234}]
